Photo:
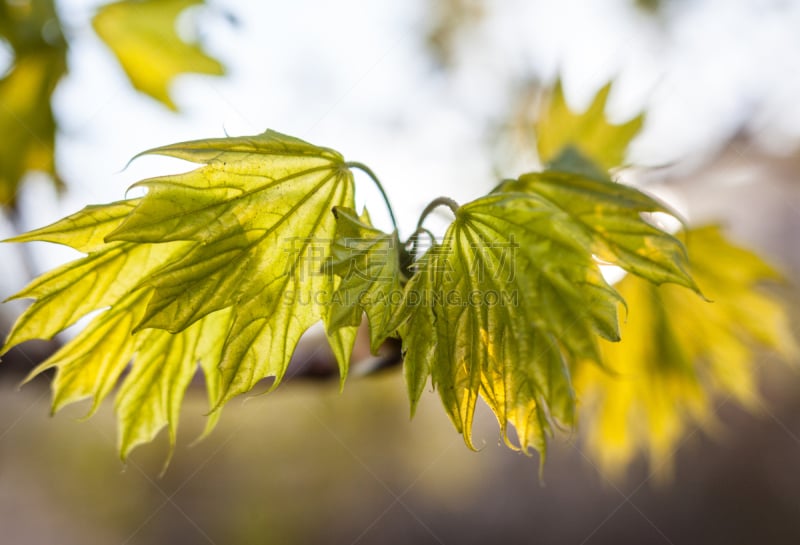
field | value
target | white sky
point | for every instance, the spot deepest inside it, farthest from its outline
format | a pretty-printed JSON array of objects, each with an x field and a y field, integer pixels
[{"x": 353, "y": 75}]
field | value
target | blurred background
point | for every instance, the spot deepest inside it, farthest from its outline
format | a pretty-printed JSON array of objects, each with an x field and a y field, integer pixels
[{"x": 436, "y": 96}]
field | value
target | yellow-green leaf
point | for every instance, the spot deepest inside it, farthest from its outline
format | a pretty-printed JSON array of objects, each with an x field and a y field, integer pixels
[
  {"x": 499, "y": 309},
  {"x": 368, "y": 263},
  {"x": 679, "y": 352},
  {"x": 260, "y": 213},
  {"x": 142, "y": 34},
  {"x": 558, "y": 128},
  {"x": 221, "y": 266},
  {"x": 607, "y": 217},
  {"x": 151, "y": 395},
  {"x": 107, "y": 274}
]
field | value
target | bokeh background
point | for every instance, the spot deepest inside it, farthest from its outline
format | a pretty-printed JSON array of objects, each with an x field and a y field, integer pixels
[{"x": 436, "y": 96}]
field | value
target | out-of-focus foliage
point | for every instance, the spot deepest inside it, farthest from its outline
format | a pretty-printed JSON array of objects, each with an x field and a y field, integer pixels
[
  {"x": 651, "y": 7},
  {"x": 33, "y": 32},
  {"x": 680, "y": 355},
  {"x": 447, "y": 22},
  {"x": 143, "y": 36},
  {"x": 558, "y": 128}
]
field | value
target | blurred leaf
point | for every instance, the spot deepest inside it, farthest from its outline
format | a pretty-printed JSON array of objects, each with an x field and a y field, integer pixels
[
  {"x": 143, "y": 36},
  {"x": 368, "y": 263},
  {"x": 607, "y": 217},
  {"x": 225, "y": 262},
  {"x": 651, "y": 7},
  {"x": 447, "y": 23},
  {"x": 558, "y": 127},
  {"x": 678, "y": 352},
  {"x": 33, "y": 31},
  {"x": 498, "y": 309}
]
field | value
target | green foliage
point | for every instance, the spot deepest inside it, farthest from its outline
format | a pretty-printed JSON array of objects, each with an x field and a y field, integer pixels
[
  {"x": 510, "y": 297},
  {"x": 558, "y": 128},
  {"x": 368, "y": 263},
  {"x": 226, "y": 266},
  {"x": 678, "y": 351},
  {"x": 234, "y": 244},
  {"x": 607, "y": 219},
  {"x": 33, "y": 31},
  {"x": 229, "y": 264},
  {"x": 142, "y": 35}
]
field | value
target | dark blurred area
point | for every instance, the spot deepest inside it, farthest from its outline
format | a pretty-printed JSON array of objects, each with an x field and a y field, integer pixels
[{"x": 307, "y": 465}]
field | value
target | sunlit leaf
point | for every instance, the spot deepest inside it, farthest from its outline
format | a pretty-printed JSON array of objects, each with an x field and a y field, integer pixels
[
  {"x": 143, "y": 36},
  {"x": 607, "y": 217},
  {"x": 368, "y": 263},
  {"x": 679, "y": 354},
  {"x": 497, "y": 311},
  {"x": 151, "y": 395},
  {"x": 221, "y": 266},
  {"x": 90, "y": 365},
  {"x": 108, "y": 273},
  {"x": 558, "y": 127},
  {"x": 260, "y": 214},
  {"x": 33, "y": 31}
]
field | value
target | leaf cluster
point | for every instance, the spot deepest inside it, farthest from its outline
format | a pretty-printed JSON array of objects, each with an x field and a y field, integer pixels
[{"x": 226, "y": 266}]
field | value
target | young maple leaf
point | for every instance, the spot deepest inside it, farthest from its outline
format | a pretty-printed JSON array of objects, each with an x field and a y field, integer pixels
[
  {"x": 220, "y": 265},
  {"x": 143, "y": 37},
  {"x": 558, "y": 128},
  {"x": 498, "y": 309}
]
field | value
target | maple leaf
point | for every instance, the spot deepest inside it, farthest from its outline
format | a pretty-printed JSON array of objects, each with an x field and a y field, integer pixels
[
  {"x": 33, "y": 31},
  {"x": 497, "y": 310},
  {"x": 259, "y": 212},
  {"x": 142, "y": 35},
  {"x": 221, "y": 265},
  {"x": 91, "y": 364},
  {"x": 678, "y": 352},
  {"x": 607, "y": 217},
  {"x": 559, "y": 128},
  {"x": 368, "y": 263}
]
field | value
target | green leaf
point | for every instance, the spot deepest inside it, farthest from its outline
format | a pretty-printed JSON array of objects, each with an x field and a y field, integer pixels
[
  {"x": 142, "y": 35},
  {"x": 368, "y": 263},
  {"x": 259, "y": 211},
  {"x": 558, "y": 128},
  {"x": 607, "y": 218},
  {"x": 108, "y": 273},
  {"x": 221, "y": 265},
  {"x": 84, "y": 231},
  {"x": 679, "y": 352},
  {"x": 151, "y": 395},
  {"x": 499, "y": 309},
  {"x": 33, "y": 31}
]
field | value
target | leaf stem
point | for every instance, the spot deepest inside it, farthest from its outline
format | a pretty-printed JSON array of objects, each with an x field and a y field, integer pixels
[
  {"x": 414, "y": 240},
  {"x": 434, "y": 204},
  {"x": 368, "y": 171}
]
